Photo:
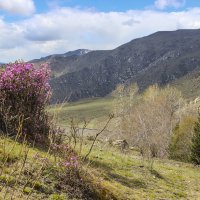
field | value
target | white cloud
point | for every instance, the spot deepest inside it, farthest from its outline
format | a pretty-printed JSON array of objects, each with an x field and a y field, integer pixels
[
  {"x": 162, "y": 4},
  {"x": 67, "y": 29},
  {"x": 21, "y": 7}
]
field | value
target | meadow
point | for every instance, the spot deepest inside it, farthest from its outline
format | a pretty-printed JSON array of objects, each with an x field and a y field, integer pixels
[
  {"x": 128, "y": 175},
  {"x": 94, "y": 110},
  {"x": 122, "y": 176}
]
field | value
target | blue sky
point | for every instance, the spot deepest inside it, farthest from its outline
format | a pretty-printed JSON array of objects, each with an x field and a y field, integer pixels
[
  {"x": 35, "y": 28},
  {"x": 111, "y": 5}
]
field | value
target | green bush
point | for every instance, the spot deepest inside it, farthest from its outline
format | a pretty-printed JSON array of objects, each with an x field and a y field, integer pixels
[
  {"x": 195, "y": 150},
  {"x": 180, "y": 146}
]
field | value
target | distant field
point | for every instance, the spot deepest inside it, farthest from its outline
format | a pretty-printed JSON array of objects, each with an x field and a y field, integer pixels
[{"x": 90, "y": 109}]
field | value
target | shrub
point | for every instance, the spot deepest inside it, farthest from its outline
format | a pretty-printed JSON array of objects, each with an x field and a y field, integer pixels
[
  {"x": 24, "y": 93},
  {"x": 148, "y": 120},
  {"x": 180, "y": 146},
  {"x": 195, "y": 150}
]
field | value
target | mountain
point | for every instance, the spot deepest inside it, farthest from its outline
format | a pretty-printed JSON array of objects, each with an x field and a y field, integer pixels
[
  {"x": 162, "y": 57},
  {"x": 78, "y": 52},
  {"x": 61, "y": 63}
]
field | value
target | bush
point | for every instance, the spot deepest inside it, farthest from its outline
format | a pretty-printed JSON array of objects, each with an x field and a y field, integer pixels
[
  {"x": 24, "y": 93},
  {"x": 195, "y": 150},
  {"x": 180, "y": 146},
  {"x": 149, "y": 121}
]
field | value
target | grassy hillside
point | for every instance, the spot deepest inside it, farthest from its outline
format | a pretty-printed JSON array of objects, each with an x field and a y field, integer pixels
[
  {"x": 109, "y": 174},
  {"x": 129, "y": 177},
  {"x": 122, "y": 176},
  {"x": 31, "y": 173},
  {"x": 189, "y": 85}
]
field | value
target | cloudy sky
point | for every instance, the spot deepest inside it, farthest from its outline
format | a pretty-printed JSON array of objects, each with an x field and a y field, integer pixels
[{"x": 36, "y": 28}]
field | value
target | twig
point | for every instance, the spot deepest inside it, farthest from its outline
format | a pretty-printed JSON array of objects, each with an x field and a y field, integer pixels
[{"x": 111, "y": 116}]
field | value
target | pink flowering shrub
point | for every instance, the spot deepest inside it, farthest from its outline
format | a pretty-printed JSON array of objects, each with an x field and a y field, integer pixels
[
  {"x": 24, "y": 94},
  {"x": 69, "y": 156},
  {"x": 66, "y": 172}
]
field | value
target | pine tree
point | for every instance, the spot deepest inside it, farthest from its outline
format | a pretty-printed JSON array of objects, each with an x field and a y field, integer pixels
[{"x": 195, "y": 150}]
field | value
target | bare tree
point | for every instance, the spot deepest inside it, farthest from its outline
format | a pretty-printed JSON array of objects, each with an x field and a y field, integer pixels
[{"x": 149, "y": 122}]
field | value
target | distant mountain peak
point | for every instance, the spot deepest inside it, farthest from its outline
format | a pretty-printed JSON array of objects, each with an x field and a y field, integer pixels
[{"x": 78, "y": 52}]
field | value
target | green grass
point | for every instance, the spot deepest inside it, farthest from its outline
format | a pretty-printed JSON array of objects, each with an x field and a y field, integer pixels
[
  {"x": 24, "y": 176},
  {"x": 92, "y": 109},
  {"x": 12, "y": 168},
  {"x": 129, "y": 177},
  {"x": 123, "y": 176}
]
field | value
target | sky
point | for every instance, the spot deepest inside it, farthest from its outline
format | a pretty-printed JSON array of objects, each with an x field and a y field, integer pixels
[{"x": 32, "y": 29}]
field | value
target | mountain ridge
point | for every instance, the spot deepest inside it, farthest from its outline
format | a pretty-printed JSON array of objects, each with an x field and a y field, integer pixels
[
  {"x": 159, "y": 58},
  {"x": 77, "y": 52}
]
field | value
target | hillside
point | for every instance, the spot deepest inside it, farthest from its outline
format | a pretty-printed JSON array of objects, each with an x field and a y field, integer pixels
[
  {"x": 189, "y": 84},
  {"x": 122, "y": 176},
  {"x": 61, "y": 63},
  {"x": 159, "y": 58}
]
